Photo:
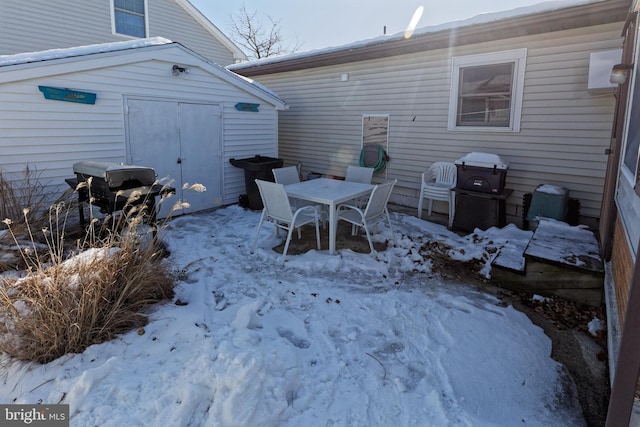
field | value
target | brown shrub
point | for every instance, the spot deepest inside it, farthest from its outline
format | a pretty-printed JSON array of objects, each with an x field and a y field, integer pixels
[
  {"x": 88, "y": 299},
  {"x": 20, "y": 190},
  {"x": 67, "y": 301}
]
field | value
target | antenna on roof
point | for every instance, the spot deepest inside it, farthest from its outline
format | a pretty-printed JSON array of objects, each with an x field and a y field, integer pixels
[{"x": 384, "y": 30}]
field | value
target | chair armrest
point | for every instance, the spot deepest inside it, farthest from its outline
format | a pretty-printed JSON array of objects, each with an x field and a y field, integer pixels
[
  {"x": 428, "y": 177},
  {"x": 345, "y": 206},
  {"x": 312, "y": 211},
  {"x": 312, "y": 208}
]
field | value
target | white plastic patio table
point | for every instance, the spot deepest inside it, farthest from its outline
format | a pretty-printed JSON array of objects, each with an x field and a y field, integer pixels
[{"x": 330, "y": 192}]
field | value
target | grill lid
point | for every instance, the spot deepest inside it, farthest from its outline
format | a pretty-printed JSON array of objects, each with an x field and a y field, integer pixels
[
  {"x": 483, "y": 160},
  {"x": 115, "y": 174}
]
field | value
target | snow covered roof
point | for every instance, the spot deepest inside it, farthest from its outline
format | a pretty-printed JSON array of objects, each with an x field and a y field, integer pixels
[
  {"x": 466, "y": 32},
  {"x": 46, "y": 55},
  {"x": 35, "y": 59}
]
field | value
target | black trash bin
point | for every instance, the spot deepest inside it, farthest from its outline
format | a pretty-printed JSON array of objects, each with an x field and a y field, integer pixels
[{"x": 257, "y": 167}]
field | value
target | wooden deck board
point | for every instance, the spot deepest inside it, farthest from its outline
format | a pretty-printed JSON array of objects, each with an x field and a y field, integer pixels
[
  {"x": 571, "y": 246},
  {"x": 559, "y": 259}
]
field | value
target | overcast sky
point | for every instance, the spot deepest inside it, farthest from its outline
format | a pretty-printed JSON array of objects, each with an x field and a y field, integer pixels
[{"x": 320, "y": 24}]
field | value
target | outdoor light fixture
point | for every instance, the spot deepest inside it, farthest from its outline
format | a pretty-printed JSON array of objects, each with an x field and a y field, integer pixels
[
  {"x": 177, "y": 70},
  {"x": 619, "y": 73}
]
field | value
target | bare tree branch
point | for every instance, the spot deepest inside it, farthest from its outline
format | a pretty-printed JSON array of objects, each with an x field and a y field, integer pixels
[{"x": 260, "y": 40}]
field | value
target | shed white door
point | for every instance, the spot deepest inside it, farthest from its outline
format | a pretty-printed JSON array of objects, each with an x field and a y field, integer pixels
[{"x": 182, "y": 141}]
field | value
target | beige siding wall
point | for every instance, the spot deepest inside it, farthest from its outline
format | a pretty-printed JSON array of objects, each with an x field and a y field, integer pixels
[
  {"x": 52, "y": 135},
  {"x": 35, "y": 25},
  {"x": 167, "y": 19},
  {"x": 41, "y": 24},
  {"x": 564, "y": 128}
]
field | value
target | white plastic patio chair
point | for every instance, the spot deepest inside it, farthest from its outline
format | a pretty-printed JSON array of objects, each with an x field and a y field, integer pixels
[
  {"x": 438, "y": 183},
  {"x": 279, "y": 212},
  {"x": 359, "y": 174},
  {"x": 373, "y": 213},
  {"x": 286, "y": 175}
]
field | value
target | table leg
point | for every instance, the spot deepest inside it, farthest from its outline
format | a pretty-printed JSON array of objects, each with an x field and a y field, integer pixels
[{"x": 333, "y": 227}]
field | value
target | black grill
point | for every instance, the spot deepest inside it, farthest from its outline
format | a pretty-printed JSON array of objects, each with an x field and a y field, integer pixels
[{"x": 112, "y": 185}]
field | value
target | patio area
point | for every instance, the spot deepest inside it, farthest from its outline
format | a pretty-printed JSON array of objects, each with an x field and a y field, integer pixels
[
  {"x": 344, "y": 239},
  {"x": 346, "y": 339},
  {"x": 583, "y": 355}
]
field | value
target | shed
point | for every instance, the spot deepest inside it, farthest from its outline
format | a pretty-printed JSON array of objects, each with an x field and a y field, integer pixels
[{"x": 157, "y": 104}]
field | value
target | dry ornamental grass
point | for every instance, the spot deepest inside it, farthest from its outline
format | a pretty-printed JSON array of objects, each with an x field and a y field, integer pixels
[{"x": 68, "y": 300}]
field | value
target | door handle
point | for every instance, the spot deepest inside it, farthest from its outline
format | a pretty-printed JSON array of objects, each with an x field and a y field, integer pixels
[{"x": 179, "y": 161}]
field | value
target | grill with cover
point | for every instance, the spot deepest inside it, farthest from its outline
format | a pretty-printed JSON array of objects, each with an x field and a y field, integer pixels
[{"x": 112, "y": 186}]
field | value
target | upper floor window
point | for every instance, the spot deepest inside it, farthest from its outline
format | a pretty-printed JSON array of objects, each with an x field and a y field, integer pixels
[
  {"x": 129, "y": 17},
  {"x": 486, "y": 91}
]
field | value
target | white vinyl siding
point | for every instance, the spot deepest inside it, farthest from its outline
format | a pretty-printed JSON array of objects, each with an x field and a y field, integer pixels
[
  {"x": 52, "y": 135},
  {"x": 563, "y": 133},
  {"x": 37, "y": 25},
  {"x": 169, "y": 20}
]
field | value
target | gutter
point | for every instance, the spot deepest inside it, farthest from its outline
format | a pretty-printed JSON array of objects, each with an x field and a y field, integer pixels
[{"x": 445, "y": 36}]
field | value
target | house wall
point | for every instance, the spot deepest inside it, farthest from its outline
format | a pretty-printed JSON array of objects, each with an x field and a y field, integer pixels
[
  {"x": 564, "y": 128},
  {"x": 627, "y": 227},
  {"x": 628, "y": 203},
  {"x": 622, "y": 269},
  {"x": 51, "y": 136},
  {"x": 37, "y": 25}
]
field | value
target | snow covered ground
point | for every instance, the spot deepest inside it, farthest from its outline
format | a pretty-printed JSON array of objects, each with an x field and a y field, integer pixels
[{"x": 342, "y": 340}]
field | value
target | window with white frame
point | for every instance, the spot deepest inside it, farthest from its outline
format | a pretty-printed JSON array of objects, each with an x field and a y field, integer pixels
[
  {"x": 129, "y": 17},
  {"x": 486, "y": 91},
  {"x": 631, "y": 151}
]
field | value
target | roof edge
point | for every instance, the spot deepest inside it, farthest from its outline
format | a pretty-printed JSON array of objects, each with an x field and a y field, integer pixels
[
  {"x": 238, "y": 55},
  {"x": 13, "y": 67},
  {"x": 78, "y": 51},
  {"x": 457, "y": 33}
]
